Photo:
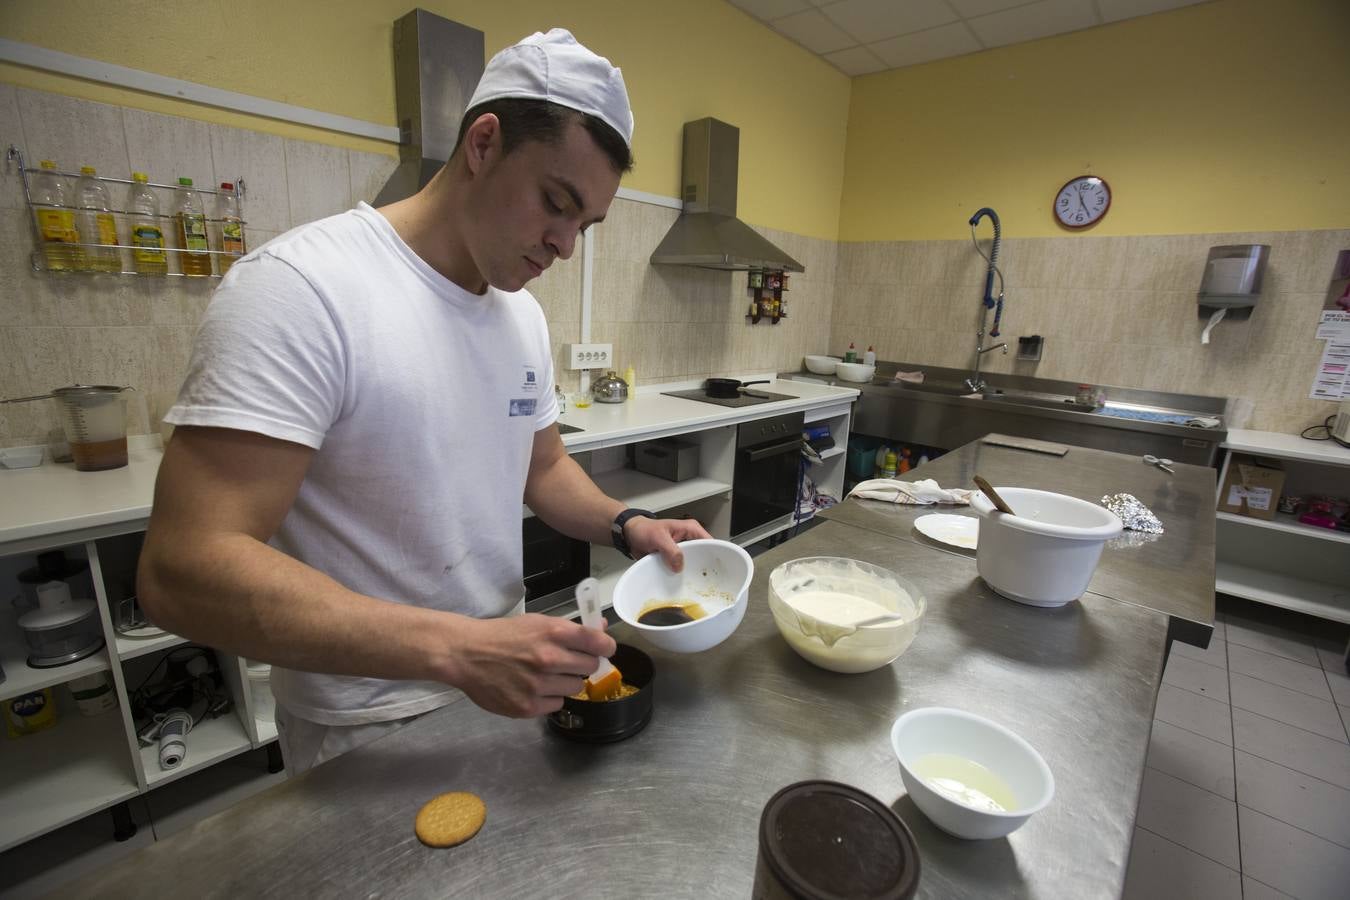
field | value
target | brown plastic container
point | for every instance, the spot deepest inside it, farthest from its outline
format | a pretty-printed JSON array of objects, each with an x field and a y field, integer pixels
[{"x": 822, "y": 840}]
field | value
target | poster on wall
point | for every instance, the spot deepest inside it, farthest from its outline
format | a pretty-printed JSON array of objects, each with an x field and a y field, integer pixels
[{"x": 1332, "y": 381}]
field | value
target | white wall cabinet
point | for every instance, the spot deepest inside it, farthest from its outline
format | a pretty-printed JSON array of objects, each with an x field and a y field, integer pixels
[{"x": 1281, "y": 561}]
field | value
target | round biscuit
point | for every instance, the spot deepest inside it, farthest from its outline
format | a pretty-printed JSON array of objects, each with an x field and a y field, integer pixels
[{"x": 450, "y": 819}]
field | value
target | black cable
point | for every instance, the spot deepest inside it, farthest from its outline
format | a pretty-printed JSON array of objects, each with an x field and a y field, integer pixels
[{"x": 1325, "y": 426}]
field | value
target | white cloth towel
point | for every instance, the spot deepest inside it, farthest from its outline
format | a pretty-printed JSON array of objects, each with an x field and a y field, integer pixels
[{"x": 923, "y": 493}]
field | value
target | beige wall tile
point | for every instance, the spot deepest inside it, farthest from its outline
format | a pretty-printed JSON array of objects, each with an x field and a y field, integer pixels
[
  {"x": 11, "y": 132},
  {"x": 25, "y": 297},
  {"x": 260, "y": 159},
  {"x": 317, "y": 179},
  {"x": 73, "y": 132},
  {"x": 369, "y": 172},
  {"x": 168, "y": 148},
  {"x": 98, "y": 300}
]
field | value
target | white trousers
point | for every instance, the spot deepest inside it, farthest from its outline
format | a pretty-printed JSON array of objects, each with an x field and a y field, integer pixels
[{"x": 306, "y": 744}]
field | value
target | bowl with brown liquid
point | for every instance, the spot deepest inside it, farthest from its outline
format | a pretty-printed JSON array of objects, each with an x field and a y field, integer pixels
[
  {"x": 606, "y": 721},
  {"x": 690, "y": 610}
]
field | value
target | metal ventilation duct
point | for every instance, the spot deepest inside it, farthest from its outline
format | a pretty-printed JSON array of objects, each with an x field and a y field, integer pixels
[
  {"x": 708, "y": 234},
  {"x": 437, "y": 64}
]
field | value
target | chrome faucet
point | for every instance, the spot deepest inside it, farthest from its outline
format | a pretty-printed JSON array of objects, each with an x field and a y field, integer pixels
[{"x": 975, "y": 383}]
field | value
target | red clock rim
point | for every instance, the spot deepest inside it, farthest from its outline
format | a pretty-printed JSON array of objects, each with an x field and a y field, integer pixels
[{"x": 1107, "y": 209}]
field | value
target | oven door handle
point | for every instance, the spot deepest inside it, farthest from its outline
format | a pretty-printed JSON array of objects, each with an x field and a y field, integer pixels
[{"x": 792, "y": 446}]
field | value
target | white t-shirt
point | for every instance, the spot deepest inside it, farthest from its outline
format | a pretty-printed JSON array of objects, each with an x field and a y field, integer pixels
[{"x": 421, "y": 401}]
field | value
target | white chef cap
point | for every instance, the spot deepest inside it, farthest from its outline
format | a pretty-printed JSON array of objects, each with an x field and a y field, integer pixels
[{"x": 554, "y": 67}]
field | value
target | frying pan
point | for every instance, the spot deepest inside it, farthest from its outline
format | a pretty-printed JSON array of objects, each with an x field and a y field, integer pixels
[{"x": 726, "y": 388}]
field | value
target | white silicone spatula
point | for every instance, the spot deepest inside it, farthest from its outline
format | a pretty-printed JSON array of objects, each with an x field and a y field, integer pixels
[{"x": 605, "y": 680}]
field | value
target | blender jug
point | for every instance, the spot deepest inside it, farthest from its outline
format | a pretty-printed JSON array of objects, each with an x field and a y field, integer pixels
[{"x": 95, "y": 421}]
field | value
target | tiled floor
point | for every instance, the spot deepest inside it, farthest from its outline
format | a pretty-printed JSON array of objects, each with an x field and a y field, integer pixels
[{"x": 1247, "y": 789}]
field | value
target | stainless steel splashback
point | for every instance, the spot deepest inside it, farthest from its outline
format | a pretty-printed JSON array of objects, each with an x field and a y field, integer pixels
[
  {"x": 708, "y": 234},
  {"x": 437, "y": 64}
]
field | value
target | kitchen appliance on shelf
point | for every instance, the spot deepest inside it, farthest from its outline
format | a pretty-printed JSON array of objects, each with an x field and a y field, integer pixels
[
  {"x": 768, "y": 458},
  {"x": 62, "y": 629}
]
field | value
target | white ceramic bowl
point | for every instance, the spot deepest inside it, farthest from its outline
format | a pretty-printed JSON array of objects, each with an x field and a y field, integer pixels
[
  {"x": 855, "y": 372},
  {"x": 1044, "y": 554},
  {"x": 867, "y": 648},
  {"x": 821, "y": 365},
  {"x": 716, "y": 575},
  {"x": 953, "y": 732}
]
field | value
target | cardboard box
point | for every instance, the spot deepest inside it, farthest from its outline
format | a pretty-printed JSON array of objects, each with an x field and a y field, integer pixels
[{"x": 1251, "y": 488}]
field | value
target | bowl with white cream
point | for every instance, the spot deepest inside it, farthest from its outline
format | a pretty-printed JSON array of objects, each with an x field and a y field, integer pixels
[
  {"x": 971, "y": 776},
  {"x": 821, "y": 605}
]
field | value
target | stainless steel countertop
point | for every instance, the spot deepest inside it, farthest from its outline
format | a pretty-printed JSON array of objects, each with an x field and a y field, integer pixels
[
  {"x": 1172, "y": 574},
  {"x": 674, "y": 810}
]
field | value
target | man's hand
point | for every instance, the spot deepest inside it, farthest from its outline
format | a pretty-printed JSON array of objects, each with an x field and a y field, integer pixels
[
  {"x": 524, "y": 666},
  {"x": 646, "y": 535}
]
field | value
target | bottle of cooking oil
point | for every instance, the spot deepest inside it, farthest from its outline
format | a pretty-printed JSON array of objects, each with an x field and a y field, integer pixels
[
  {"x": 190, "y": 222},
  {"x": 97, "y": 227},
  {"x": 147, "y": 232},
  {"x": 231, "y": 226},
  {"x": 56, "y": 220}
]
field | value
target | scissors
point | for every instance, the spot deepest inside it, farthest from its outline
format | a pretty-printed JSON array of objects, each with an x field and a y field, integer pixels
[{"x": 1164, "y": 464}]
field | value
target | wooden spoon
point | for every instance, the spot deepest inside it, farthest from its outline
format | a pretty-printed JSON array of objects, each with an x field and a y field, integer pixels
[{"x": 999, "y": 503}]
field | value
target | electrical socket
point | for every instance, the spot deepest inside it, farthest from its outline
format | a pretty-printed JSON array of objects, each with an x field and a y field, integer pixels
[{"x": 590, "y": 356}]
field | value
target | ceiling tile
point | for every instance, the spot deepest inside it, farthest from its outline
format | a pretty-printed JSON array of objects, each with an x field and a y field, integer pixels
[
  {"x": 874, "y": 20},
  {"x": 969, "y": 9},
  {"x": 1116, "y": 10},
  {"x": 771, "y": 9},
  {"x": 855, "y": 61},
  {"x": 935, "y": 43},
  {"x": 1035, "y": 20},
  {"x": 814, "y": 32}
]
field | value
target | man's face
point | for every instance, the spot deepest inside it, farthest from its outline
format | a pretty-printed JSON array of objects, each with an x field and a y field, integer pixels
[{"x": 530, "y": 206}]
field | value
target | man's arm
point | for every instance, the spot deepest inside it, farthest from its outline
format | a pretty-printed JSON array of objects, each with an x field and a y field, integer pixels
[
  {"x": 207, "y": 573},
  {"x": 564, "y": 496}
]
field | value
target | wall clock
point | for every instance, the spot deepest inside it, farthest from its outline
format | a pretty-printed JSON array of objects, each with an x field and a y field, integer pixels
[{"x": 1083, "y": 201}]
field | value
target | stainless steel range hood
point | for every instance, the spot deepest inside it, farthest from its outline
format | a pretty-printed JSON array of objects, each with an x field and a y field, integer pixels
[
  {"x": 437, "y": 64},
  {"x": 708, "y": 234}
]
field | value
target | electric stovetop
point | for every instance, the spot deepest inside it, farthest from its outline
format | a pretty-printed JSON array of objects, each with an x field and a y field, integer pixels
[{"x": 748, "y": 397}]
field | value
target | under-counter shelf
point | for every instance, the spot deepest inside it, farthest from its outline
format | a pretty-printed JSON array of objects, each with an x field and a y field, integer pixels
[
  {"x": 21, "y": 678},
  {"x": 1326, "y": 601},
  {"x": 54, "y": 777},
  {"x": 207, "y": 743},
  {"x": 130, "y": 648},
  {"x": 1288, "y": 523},
  {"x": 645, "y": 491}
]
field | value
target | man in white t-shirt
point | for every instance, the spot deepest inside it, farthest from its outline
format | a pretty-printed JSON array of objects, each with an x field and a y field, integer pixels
[{"x": 368, "y": 403}]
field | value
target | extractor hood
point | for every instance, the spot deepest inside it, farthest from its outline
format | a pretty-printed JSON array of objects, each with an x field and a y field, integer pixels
[
  {"x": 437, "y": 64},
  {"x": 708, "y": 234}
]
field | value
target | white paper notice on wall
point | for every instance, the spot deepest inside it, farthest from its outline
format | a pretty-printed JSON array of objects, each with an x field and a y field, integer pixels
[
  {"x": 1335, "y": 326},
  {"x": 1332, "y": 381}
]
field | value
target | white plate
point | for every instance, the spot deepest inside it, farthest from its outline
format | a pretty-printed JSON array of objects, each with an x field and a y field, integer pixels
[
  {"x": 958, "y": 531},
  {"x": 145, "y": 631}
]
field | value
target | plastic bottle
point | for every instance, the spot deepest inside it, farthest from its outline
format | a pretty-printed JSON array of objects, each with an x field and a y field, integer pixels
[
  {"x": 870, "y": 357},
  {"x": 630, "y": 376},
  {"x": 905, "y": 464},
  {"x": 888, "y": 469},
  {"x": 147, "y": 232},
  {"x": 851, "y": 354},
  {"x": 189, "y": 222},
  {"x": 56, "y": 220},
  {"x": 231, "y": 226},
  {"x": 96, "y": 224}
]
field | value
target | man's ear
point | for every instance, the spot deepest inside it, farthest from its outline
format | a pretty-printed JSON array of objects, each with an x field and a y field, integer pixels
[{"x": 482, "y": 142}]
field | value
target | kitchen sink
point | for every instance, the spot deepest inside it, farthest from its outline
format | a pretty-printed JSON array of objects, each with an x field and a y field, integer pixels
[
  {"x": 564, "y": 428},
  {"x": 1044, "y": 401}
]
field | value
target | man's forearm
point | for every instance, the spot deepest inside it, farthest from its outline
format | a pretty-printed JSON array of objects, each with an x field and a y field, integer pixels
[
  {"x": 565, "y": 497},
  {"x": 242, "y": 596}
]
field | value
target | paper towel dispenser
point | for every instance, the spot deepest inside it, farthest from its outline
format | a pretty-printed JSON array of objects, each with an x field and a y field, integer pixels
[{"x": 1233, "y": 276}]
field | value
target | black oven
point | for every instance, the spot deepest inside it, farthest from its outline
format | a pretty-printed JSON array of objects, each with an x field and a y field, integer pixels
[
  {"x": 553, "y": 562},
  {"x": 768, "y": 456}
]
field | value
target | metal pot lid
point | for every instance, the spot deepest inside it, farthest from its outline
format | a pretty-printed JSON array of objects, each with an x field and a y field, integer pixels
[
  {"x": 65, "y": 615},
  {"x": 89, "y": 390}
]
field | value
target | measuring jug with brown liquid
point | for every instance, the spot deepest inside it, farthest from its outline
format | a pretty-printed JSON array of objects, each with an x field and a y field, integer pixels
[{"x": 95, "y": 422}]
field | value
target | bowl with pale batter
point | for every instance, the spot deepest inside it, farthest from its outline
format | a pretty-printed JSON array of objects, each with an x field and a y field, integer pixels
[{"x": 818, "y": 603}]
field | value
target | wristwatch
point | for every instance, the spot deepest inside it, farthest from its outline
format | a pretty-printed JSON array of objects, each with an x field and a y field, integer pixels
[{"x": 616, "y": 529}]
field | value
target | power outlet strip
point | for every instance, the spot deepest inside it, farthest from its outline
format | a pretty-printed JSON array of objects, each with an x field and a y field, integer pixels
[{"x": 590, "y": 356}]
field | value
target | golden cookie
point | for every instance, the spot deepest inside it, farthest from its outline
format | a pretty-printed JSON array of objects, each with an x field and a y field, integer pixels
[{"x": 450, "y": 819}]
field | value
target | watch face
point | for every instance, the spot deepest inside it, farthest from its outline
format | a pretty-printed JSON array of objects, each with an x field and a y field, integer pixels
[{"x": 1082, "y": 201}]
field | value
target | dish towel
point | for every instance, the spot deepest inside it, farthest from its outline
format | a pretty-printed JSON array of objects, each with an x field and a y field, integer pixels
[{"x": 922, "y": 493}]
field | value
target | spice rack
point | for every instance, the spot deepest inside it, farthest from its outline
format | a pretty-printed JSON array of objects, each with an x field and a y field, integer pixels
[
  {"x": 172, "y": 254},
  {"x": 767, "y": 287}
]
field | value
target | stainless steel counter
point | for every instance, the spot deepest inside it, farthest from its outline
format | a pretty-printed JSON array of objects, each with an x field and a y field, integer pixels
[
  {"x": 673, "y": 811},
  {"x": 1172, "y": 573}
]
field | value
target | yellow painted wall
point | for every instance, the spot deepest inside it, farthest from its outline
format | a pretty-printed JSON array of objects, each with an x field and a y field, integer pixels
[
  {"x": 1226, "y": 116},
  {"x": 681, "y": 61}
]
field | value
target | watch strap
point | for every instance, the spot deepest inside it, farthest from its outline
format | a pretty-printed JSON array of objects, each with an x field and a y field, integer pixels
[{"x": 616, "y": 529}]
